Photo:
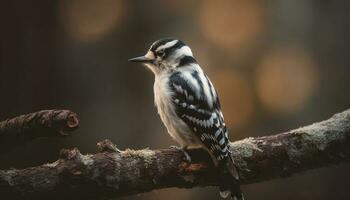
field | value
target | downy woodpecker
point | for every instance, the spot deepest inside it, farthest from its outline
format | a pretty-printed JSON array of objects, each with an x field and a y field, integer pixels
[{"x": 189, "y": 106}]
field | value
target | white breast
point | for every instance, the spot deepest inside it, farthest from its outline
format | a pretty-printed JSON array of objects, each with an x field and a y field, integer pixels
[{"x": 177, "y": 129}]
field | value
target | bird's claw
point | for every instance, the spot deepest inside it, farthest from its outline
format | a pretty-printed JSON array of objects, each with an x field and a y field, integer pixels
[{"x": 184, "y": 151}]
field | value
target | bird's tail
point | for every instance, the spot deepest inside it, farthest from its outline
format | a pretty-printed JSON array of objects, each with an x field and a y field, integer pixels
[{"x": 230, "y": 189}]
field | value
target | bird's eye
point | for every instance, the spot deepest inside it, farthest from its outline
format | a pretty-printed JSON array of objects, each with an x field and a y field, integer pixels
[{"x": 161, "y": 53}]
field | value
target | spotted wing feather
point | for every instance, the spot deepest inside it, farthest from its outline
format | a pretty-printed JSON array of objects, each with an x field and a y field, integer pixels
[{"x": 204, "y": 118}]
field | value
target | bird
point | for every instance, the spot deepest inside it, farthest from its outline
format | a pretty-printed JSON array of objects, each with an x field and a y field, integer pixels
[{"x": 189, "y": 107}]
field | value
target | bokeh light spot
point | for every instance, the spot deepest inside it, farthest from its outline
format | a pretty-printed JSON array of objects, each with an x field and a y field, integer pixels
[
  {"x": 231, "y": 23},
  {"x": 235, "y": 95},
  {"x": 89, "y": 20},
  {"x": 286, "y": 78}
]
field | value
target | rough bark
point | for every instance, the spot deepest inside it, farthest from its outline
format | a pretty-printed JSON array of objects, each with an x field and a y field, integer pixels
[
  {"x": 113, "y": 173},
  {"x": 44, "y": 123}
]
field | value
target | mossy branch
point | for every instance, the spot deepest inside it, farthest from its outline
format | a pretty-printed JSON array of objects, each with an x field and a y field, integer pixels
[{"x": 113, "y": 173}]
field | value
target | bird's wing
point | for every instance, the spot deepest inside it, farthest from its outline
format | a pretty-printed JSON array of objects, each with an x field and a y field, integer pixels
[{"x": 197, "y": 104}]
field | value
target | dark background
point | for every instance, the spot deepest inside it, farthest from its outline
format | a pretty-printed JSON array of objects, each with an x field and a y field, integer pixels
[{"x": 277, "y": 65}]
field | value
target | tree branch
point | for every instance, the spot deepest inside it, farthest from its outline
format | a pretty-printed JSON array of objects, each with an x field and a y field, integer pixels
[
  {"x": 61, "y": 121},
  {"x": 44, "y": 123},
  {"x": 114, "y": 173}
]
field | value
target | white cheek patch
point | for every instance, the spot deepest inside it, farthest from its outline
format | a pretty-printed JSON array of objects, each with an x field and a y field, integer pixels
[
  {"x": 183, "y": 51},
  {"x": 176, "y": 56},
  {"x": 167, "y": 45}
]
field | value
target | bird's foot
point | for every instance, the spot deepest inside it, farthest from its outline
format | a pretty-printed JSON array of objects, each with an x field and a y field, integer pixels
[{"x": 184, "y": 151}]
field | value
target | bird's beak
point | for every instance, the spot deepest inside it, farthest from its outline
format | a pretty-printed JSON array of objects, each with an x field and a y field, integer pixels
[
  {"x": 148, "y": 58},
  {"x": 141, "y": 59}
]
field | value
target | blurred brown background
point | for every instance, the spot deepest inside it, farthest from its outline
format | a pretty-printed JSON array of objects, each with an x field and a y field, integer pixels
[{"x": 277, "y": 65}]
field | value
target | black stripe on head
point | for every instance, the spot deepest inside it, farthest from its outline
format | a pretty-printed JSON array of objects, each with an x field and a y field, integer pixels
[
  {"x": 160, "y": 42},
  {"x": 186, "y": 60},
  {"x": 172, "y": 49}
]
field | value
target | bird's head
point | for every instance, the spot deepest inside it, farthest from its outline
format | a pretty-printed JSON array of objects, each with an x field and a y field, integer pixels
[{"x": 165, "y": 54}]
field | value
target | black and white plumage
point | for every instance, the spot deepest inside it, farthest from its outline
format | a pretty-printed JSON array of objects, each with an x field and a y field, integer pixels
[{"x": 189, "y": 105}]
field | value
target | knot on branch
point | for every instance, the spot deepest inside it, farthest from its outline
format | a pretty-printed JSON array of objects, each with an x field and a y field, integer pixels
[
  {"x": 62, "y": 121},
  {"x": 67, "y": 154},
  {"x": 107, "y": 146}
]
